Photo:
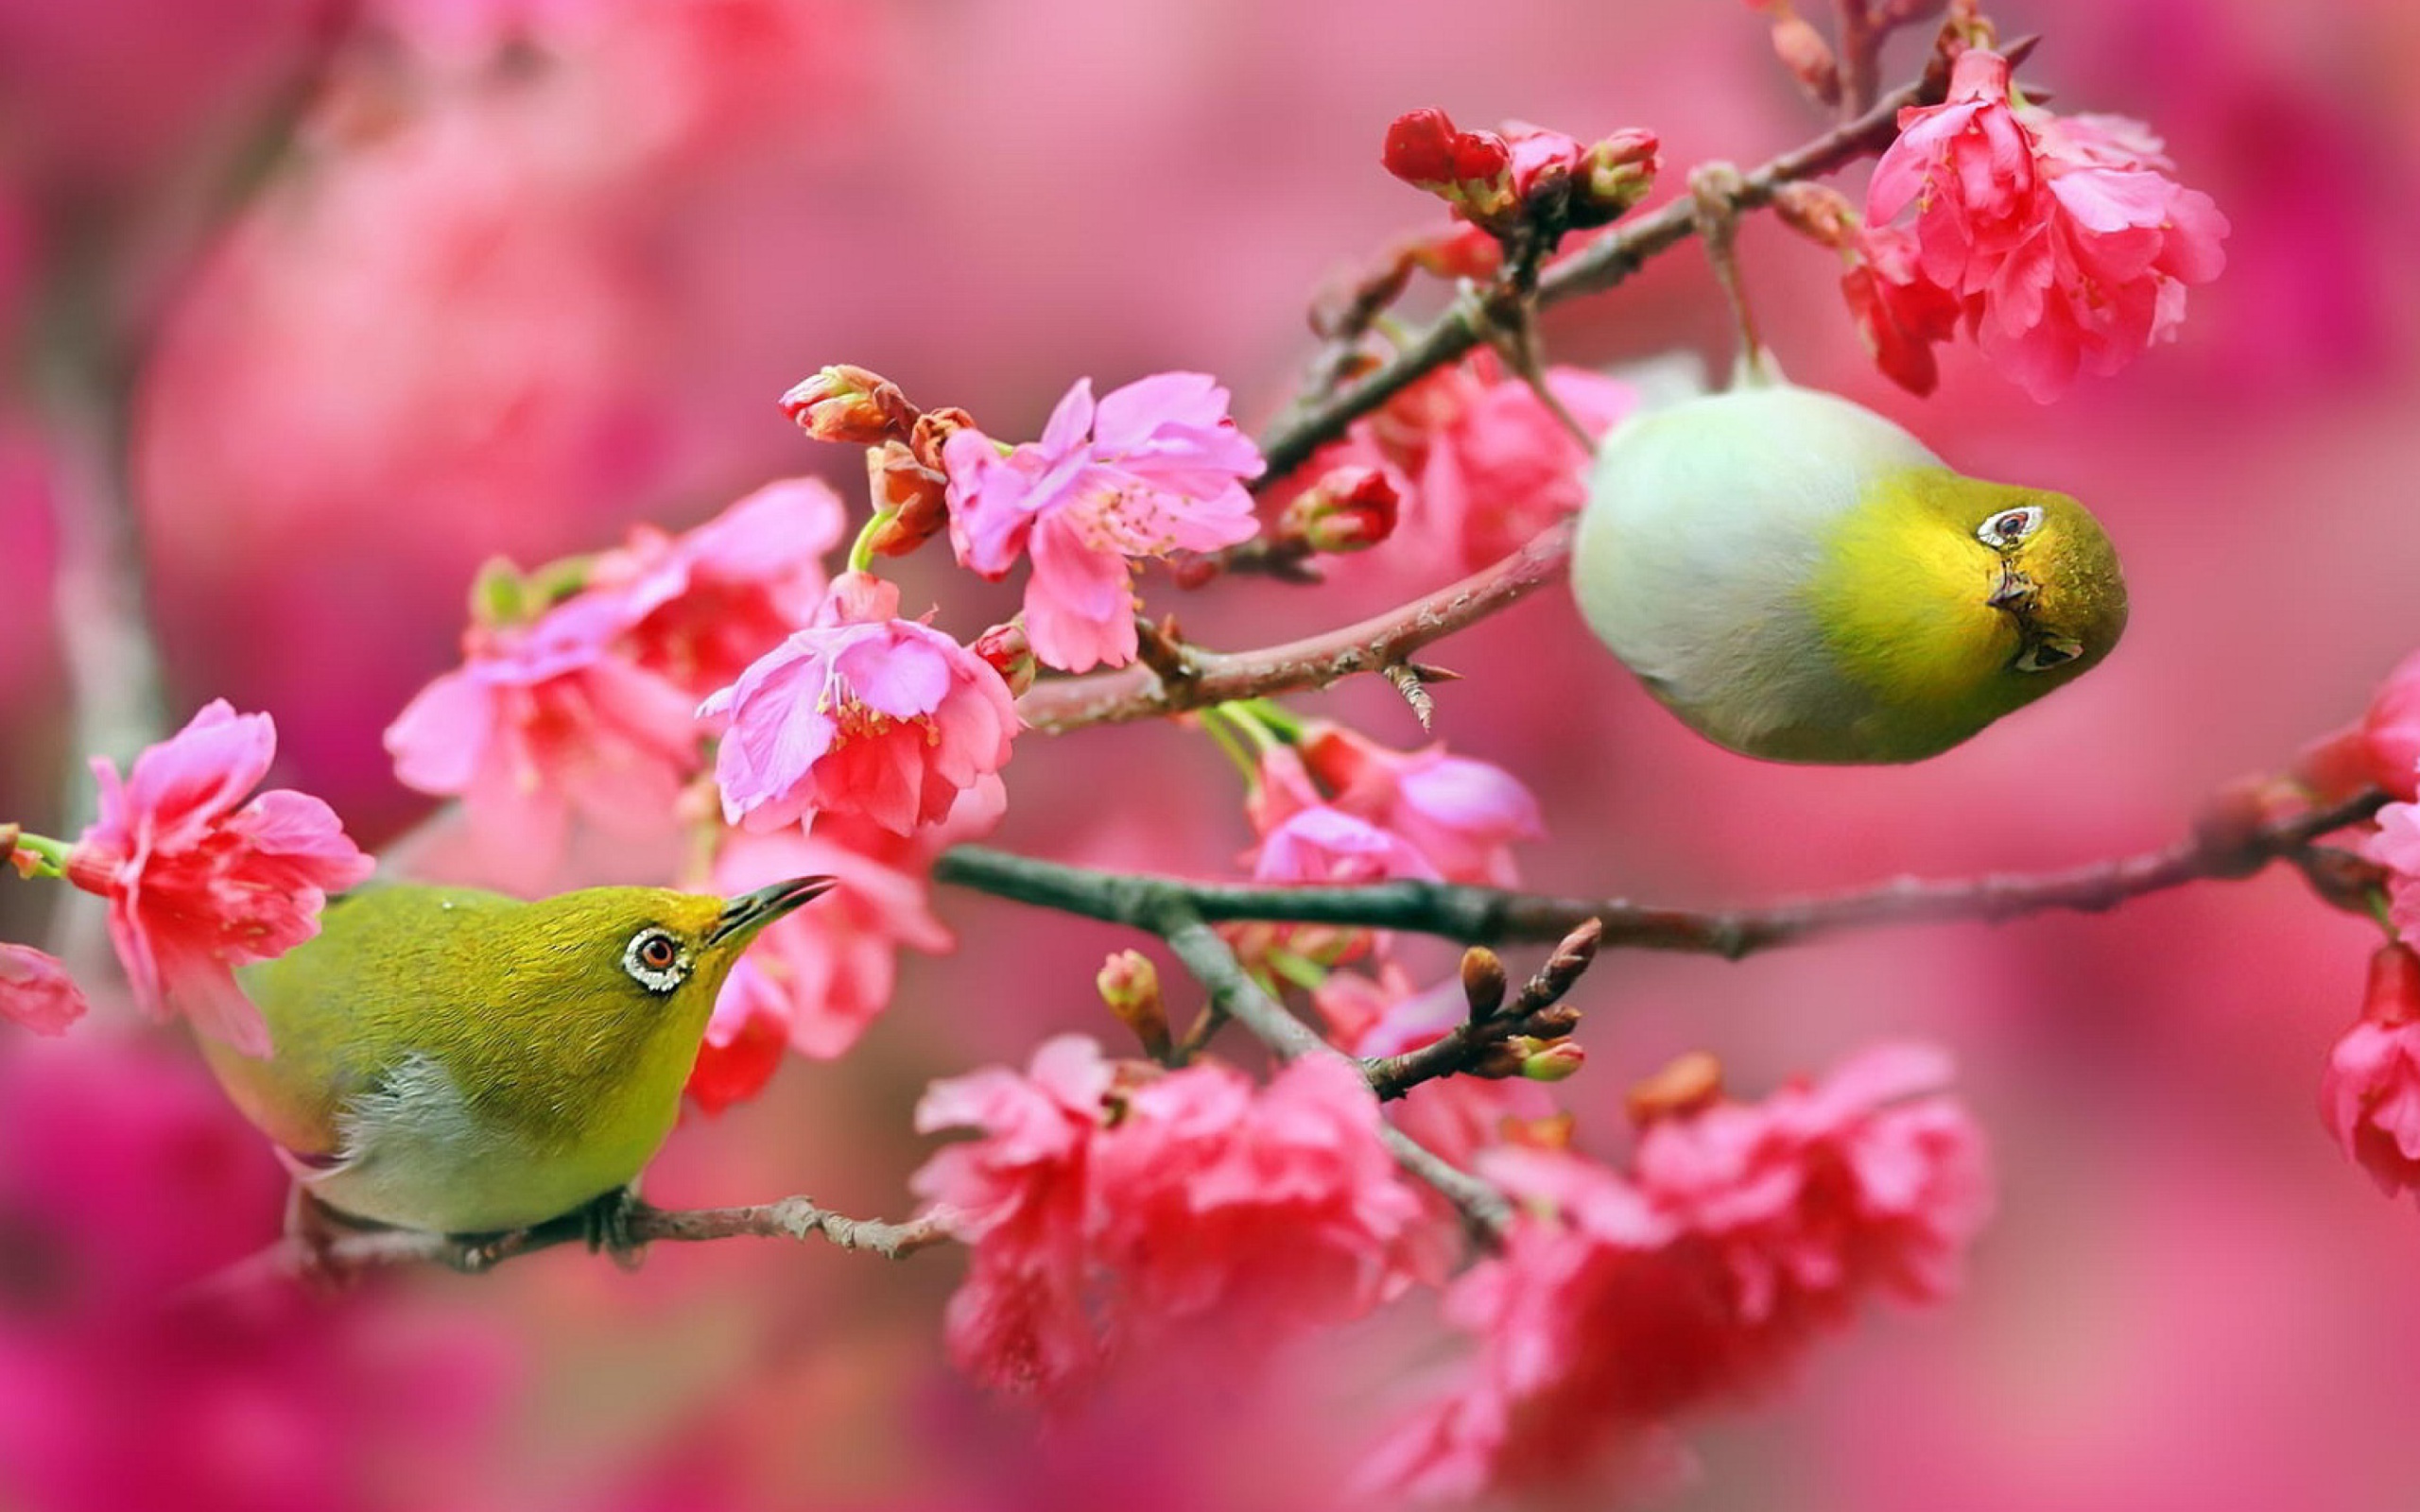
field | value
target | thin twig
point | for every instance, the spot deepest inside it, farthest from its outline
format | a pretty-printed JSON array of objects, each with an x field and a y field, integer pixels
[
  {"x": 1371, "y": 646},
  {"x": 1490, "y": 915},
  {"x": 1232, "y": 988},
  {"x": 797, "y": 1218}
]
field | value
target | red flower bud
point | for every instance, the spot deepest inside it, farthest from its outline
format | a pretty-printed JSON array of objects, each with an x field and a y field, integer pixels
[
  {"x": 845, "y": 403},
  {"x": 1614, "y": 175},
  {"x": 1470, "y": 170},
  {"x": 1548, "y": 1059},
  {"x": 915, "y": 496},
  {"x": 1009, "y": 653},
  {"x": 1351, "y": 508},
  {"x": 1131, "y": 986}
]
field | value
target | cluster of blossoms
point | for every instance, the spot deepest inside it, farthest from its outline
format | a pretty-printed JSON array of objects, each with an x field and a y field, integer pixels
[
  {"x": 1738, "y": 1234},
  {"x": 2060, "y": 243},
  {"x": 2370, "y": 1092},
  {"x": 1113, "y": 1209},
  {"x": 201, "y": 876}
]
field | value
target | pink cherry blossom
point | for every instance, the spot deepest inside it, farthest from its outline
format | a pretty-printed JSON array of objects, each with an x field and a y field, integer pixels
[
  {"x": 36, "y": 990},
  {"x": 200, "y": 881},
  {"x": 861, "y": 712},
  {"x": 1020, "y": 1196},
  {"x": 707, "y": 602},
  {"x": 1621, "y": 1301},
  {"x": 2062, "y": 240},
  {"x": 812, "y": 981},
  {"x": 544, "y": 721},
  {"x": 1480, "y": 464},
  {"x": 2369, "y": 1093},
  {"x": 1237, "y": 1216},
  {"x": 2397, "y": 847},
  {"x": 1155, "y": 467},
  {"x": 2390, "y": 731},
  {"x": 1462, "y": 814},
  {"x": 1202, "y": 1209}
]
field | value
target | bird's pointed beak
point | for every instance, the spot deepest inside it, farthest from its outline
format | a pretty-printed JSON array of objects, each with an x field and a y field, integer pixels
[{"x": 744, "y": 915}]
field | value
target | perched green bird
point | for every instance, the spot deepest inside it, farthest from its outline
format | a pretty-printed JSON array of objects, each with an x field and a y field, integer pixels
[
  {"x": 460, "y": 1061},
  {"x": 1800, "y": 579}
]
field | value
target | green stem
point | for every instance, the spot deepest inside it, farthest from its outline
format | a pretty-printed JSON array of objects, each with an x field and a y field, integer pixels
[
  {"x": 861, "y": 550},
  {"x": 53, "y": 853}
]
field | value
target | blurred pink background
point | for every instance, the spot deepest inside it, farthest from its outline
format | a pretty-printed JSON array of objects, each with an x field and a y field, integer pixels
[{"x": 537, "y": 268}]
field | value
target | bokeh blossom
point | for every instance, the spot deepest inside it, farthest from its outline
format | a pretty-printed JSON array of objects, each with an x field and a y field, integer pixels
[
  {"x": 2369, "y": 1093},
  {"x": 36, "y": 990},
  {"x": 1111, "y": 1216},
  {"x": 2391, "y": 732},
  {"x": 2395, "y": 845},
  {"x": 1154, "y": 467},
  {"x": 1462, "y": 814},
  {"x": 861, "y": 712},
  {"x": 1741, "y": 1229},
  {"x": 1478, "y": 463},
  {"x": 198, "y": 879},
  {"x": 543, "y": 722},
  {"x": 2061, "y": 243}
]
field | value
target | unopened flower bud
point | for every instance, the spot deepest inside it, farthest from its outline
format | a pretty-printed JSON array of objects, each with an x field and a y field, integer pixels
[
  {"x": 1552, "y": 1022},
  {"x": 915, "y": 496},
  {"x": 934, "y": 427},
  {"x": 1131, "y": 986},
  {"x": 1470, "y": 170},
  {"x": 1819, "y": 212},
  {"x": 1614, "y": 174},
  {"x": 2334, "y": 768},
  {"x": 1802, "y": 50},
  {"x": 1483, "y": 982},
  {"x": 1548, "y": 1059},
  {"x": 845, "y": 403},
  {"x": 1010, "y": 654},
  {"x": 1351, "y": 508},
  {"x": 1688, "y": 1084},
  {"x": 2393, "y": 994}
]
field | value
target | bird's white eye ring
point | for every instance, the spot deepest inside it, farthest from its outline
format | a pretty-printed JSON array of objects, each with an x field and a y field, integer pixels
[
  {"x": 2009, "y": 527},
  {"x": 655, "y": 960},
  {"x": 2049, "y": 652}
]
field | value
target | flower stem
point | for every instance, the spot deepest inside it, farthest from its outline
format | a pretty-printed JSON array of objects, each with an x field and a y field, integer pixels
[
  {"x": 51, "y": 853},
  {"x": 861, "y": 549}
]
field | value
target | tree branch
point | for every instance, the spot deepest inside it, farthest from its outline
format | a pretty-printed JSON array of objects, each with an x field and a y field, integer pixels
[
  {"x": 351, "y": 1250},
  {"x": 1490, "y": 915},
  {"x": 1373, "y": 644},
  {"x": 1233, "y": 990}
]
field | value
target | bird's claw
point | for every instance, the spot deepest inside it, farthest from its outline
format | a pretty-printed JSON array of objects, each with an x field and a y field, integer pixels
[{"x": 607, "y": 1224}]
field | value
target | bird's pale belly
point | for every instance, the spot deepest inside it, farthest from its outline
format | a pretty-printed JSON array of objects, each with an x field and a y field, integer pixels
[{"x": 417, "y": 1156}]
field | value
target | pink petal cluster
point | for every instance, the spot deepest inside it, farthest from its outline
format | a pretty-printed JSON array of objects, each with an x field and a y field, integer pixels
[
  {"x": 2370, "y": 1094},
  {"x": 589, "y": 709},
  {"x": 2391, "y": 732},
  {"x": 1621, "y": 1301},
  {"x": 36, "y": 990},
  {"x": 2395, "y": 845},
  {"x": 1462, "y": 814},
  {"x": 1113, "y": 1219},
  {"x": 1155, "y": 467},
  {"x": 1480, "y": 464},
  {"x": 814, "y": 981},
  {"x": 200, "y": 881},
  {"x": 861, "y": 712},
  {"x": 2059, "y": 242},
  {"x": 706, "y": 603}
]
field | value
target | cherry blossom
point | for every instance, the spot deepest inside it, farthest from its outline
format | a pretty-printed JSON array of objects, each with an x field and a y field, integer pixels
[
  {"x": 1153, "y": 468},
  {"x": 2369, "y": 1093},
  {"x": 198, "y": 879},
  {"x": 861, "y": 712}
]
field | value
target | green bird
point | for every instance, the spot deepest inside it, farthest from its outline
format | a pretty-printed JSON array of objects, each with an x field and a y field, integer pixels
[
  {"x": 1800, "y": 579},
  {"x": 455, "y": 1060}
]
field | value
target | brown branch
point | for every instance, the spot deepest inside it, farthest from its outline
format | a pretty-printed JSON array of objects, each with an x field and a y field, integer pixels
[
  {"x": 1538, "y": 1012},
  {"x": 349, "y": 1251},
  {"x": 1372, "y": 645},
  {"x": 1490, "y": 915}
]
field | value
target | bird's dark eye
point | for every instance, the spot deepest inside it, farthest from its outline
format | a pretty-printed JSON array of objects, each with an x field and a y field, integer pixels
[
  {"x": 655, "y": 960},
  {"x": 2050, "y": 651},
  {"x": 2009, "y": 527}
]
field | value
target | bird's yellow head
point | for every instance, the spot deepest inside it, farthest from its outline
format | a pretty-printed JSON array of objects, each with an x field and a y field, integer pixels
[{"x": 1953, "y": 601}]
